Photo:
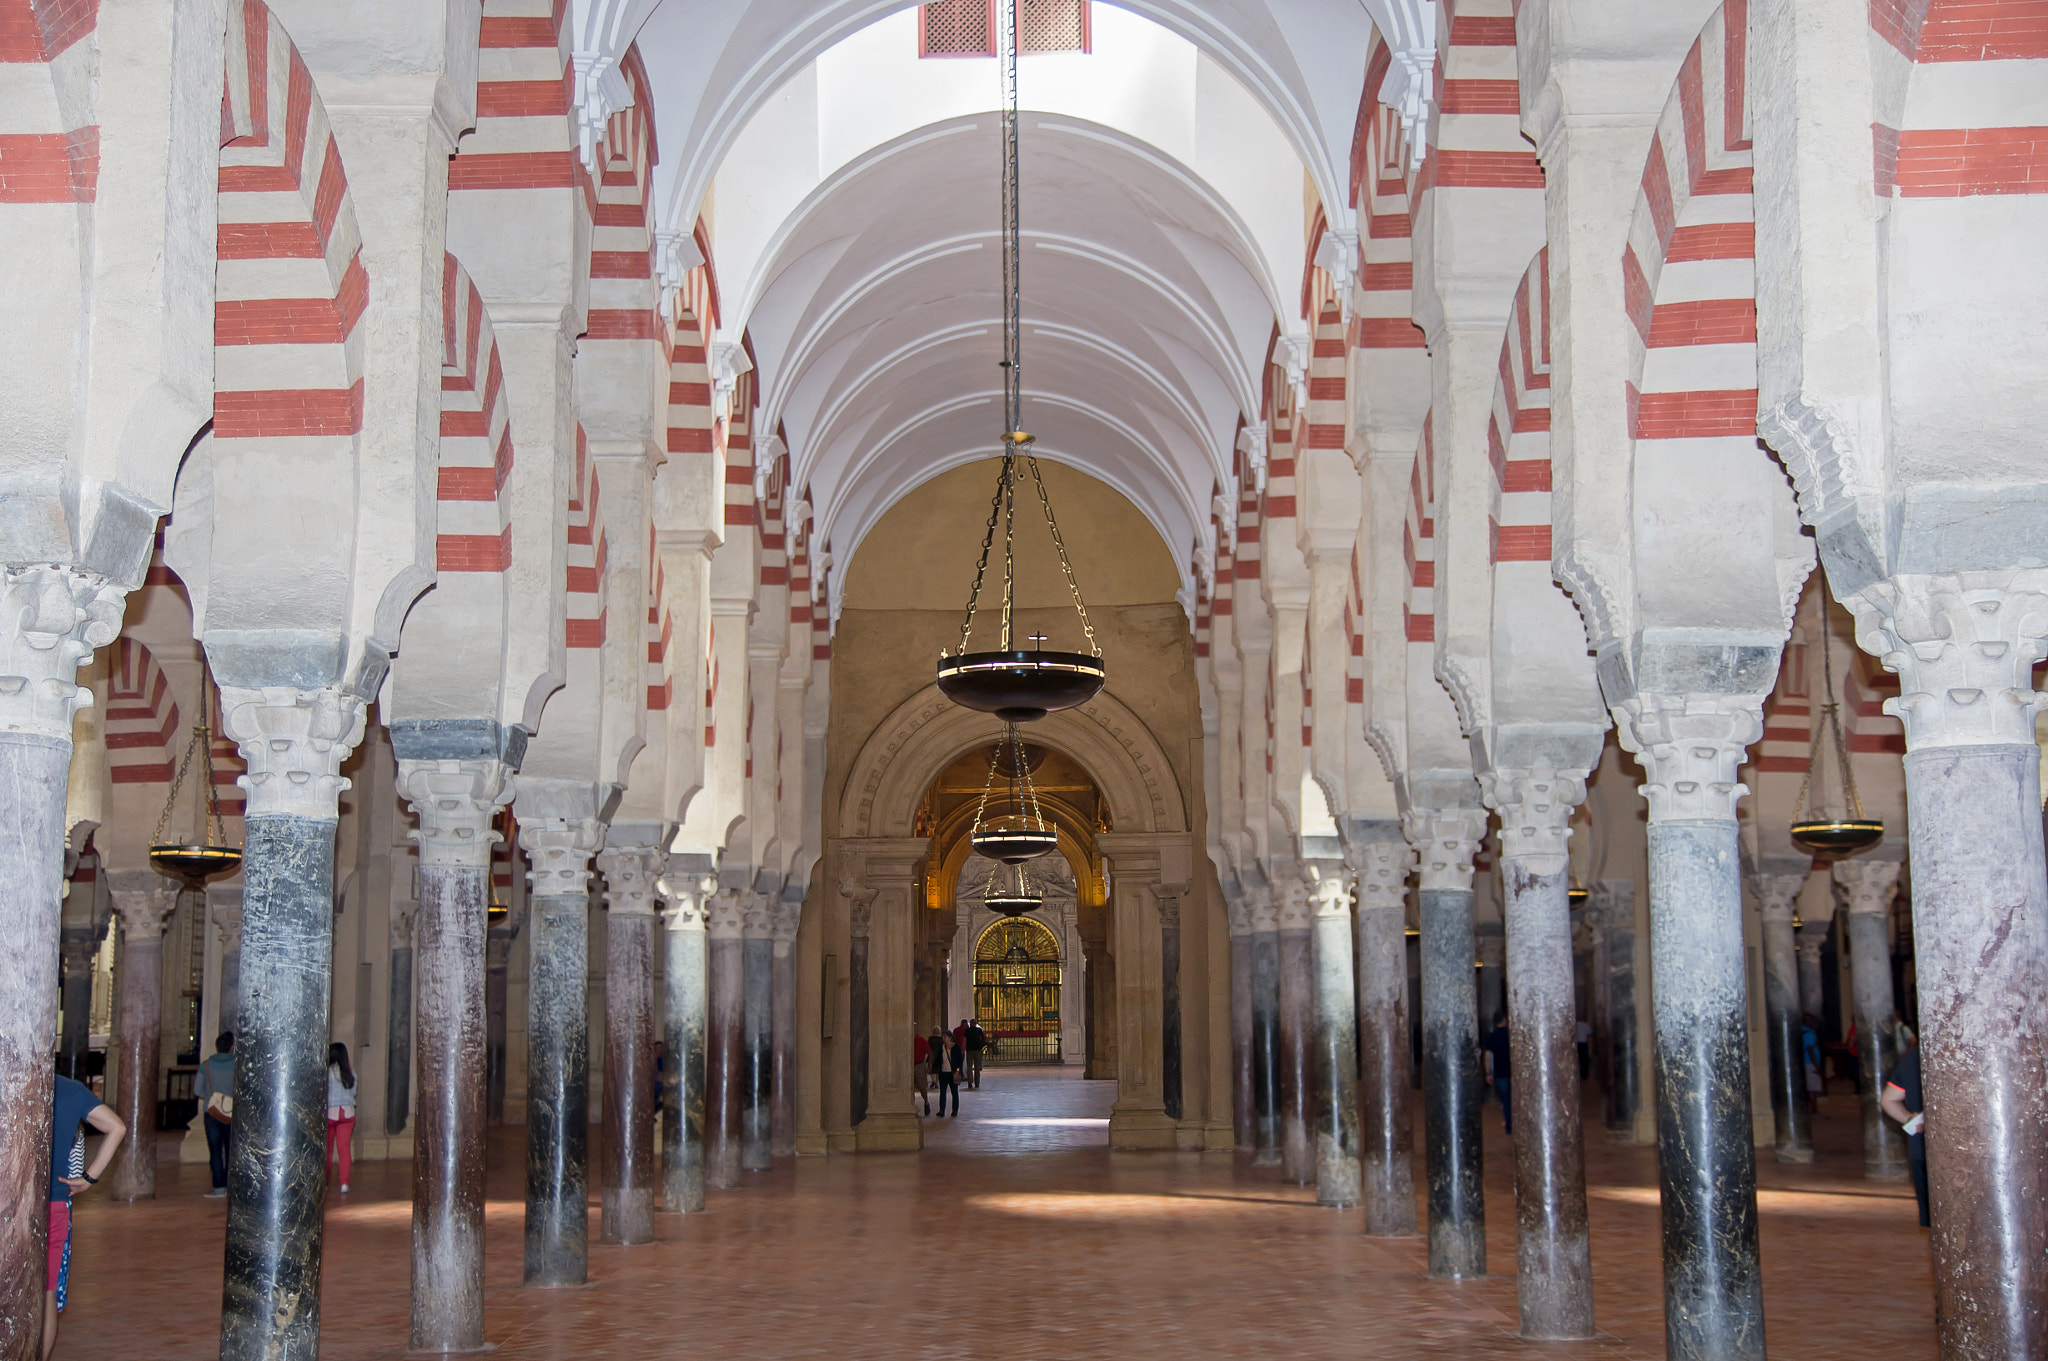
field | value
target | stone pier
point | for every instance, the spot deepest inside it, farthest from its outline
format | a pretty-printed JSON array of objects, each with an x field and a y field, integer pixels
[
  {"x": 143, "y": 903},
  {"x": 629, "y": 862}
]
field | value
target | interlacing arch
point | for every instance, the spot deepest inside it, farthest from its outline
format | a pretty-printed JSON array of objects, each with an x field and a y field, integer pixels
[{"x": 474, "y": 528}]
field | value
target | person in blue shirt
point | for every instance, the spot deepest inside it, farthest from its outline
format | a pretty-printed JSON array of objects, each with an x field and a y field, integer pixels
[
  {"x": 72, "y": 1105},
  {"x": 216, "y": 1079}
]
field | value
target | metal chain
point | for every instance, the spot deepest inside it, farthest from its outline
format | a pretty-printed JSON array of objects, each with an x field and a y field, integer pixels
[
  {"x": 1009, "y": 491},
  {"x": 988, "y": 539},
  {"x": 1831, "y": 710},
  {"x": 1060, "y": 545},
  {"x": 177, "y": 783}
]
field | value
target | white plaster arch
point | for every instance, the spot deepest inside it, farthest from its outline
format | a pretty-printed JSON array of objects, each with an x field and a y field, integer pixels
[{"x": 928, "y": 732}]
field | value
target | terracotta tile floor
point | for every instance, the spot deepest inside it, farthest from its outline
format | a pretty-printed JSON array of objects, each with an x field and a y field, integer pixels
[{"x": 1016, "y": 1233}]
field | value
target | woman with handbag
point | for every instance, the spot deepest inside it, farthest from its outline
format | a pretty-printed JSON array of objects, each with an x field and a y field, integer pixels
[
  {"x": 341, "y": 1108},
  {"x": 214, "y": 1086}
]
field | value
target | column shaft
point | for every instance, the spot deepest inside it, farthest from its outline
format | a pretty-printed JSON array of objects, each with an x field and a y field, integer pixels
[
  {"x": 557, "y": 1089},
  {"x": 1386, "y": 1067},
  {"x": 857, "y": 1027},
  {"x": 1870, "y": 885},
  {"x": 1624, "y": 1040},
  {"x": 1335, "y": 1067},
  {"x": 627, "y": 1214},
  {"x": 782, "y": 986},
  {"x": 683, "y": 1093},
  {"x": 138, "y": 990},
  {"x": 1169, "y": 996},
  {"x": 1450, "y": 1085},
  {"x": 1244, "y": 1116},
  {"x": 757, "y": 1052},
  {"x": 1297, "y": 1037},
  {"x": 725, "y": 1058},
  {"x": 1266, "y": 1043},
  {"x": 448, "y": 1142},
  {"x": 398, "y": 1035},
  {"x": 1781, "y": 1020},
  {"x": 76, "y": 989}
]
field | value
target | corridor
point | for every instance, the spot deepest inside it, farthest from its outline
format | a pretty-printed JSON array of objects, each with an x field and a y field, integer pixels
[{"x": 1017, "y": 1233}]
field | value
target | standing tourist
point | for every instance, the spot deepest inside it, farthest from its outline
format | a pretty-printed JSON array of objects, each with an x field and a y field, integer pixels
[
  {"x": 341, "y": 1109},
  {"x": 945, "y": 1059},
  {"x": 214, "y": 1087},
  {"x": 72, "y": 1105}
]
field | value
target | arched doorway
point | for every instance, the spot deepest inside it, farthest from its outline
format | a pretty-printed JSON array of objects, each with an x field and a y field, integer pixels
[{"x": 1017, "y": 991}]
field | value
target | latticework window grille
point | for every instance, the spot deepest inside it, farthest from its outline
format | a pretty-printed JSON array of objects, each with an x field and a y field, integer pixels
[
  {"x": 1052, "y": 26},
  {"x": 969, "y": 28}
]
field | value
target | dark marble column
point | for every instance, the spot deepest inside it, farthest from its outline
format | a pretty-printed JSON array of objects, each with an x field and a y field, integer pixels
[
  {"x": 398, "y": 1047},
  {"x": 1779, "y": 894},
  {"x": 51, "y": 618},
  {"x": 757, "y": 1034},
  {"x": 497, "y": 978},
  {"x": 75, "y": 984},
  {"x": 1813, "y": 934},
  {"x": 224, "y": 909},
  {"x": 454, "y": 802},
  {"x": 1553, "y": 1254},
  {"x": 1386, "y": 1070},
  {"x": 560, "y": 831},
  {"x": 1244, "y": 1118},
  {"x": 294, "y": 743},
  {"x": 1334, "y": 1070},
  {"x": 1169, "y": 995},
  {"x": 143, "y": 903},
  {"x": 724, "y": 1045},
  {"x": 1444, "y": 840},
  {"x": 1265, "y": 915},
  {"x": 1869, "y": 886},
  {"x": 1614, "y": 900},
  {"x": 685, "y": 891},
  {"x": 860, "y": 902},
  {"x": 782, "y": 986},
  {"x": 629, "y": 862},
  {"x": 1297, "y": 1027},
  {"x": 1690, "y": 747}
]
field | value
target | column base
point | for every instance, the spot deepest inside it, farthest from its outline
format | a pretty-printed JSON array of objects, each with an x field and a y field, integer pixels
[
  {"x": 1793, "y": 1155},
  {"x": 888, "y": 1133},
  {"x": 813, "y": 1145},
  {"x": 1143, "y": 1129}
]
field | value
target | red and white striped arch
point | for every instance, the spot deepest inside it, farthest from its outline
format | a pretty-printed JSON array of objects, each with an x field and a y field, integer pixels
[
  {"x": 1518, "y": 434},
  {"x": 1969, "y": 57},
  {"x": 1379, "y": 186},
  {"x": 474, "y": 530},
  {"x": 291, "y": 287},
  {"x": 1418, "y": 542},
  {"x": 143, "y": 723},
  {"x": 588, "y": 552}
]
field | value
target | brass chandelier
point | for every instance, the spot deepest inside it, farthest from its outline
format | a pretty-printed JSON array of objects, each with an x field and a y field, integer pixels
[
  {"x": 1018, "y": 829},
  {"x": 206, "y": 854},
  {"x": 1017, "y": 685},
  {"x": 1817, "y": 827}
]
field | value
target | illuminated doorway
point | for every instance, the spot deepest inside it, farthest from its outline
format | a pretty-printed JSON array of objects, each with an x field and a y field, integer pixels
[{"x": 1017, "y": 991}]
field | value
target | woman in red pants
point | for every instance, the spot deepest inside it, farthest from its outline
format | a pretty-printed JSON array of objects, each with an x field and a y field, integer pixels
[{"x": 341, "y": 1109}]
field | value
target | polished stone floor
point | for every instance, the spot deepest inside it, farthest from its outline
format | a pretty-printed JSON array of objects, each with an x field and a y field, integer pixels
[{"x": 1016, "y": 1233}]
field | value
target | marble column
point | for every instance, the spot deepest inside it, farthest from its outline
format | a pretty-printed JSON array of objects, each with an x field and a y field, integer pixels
[
  {"x": 75, "y": 983},
  {"x": 860, "y": 906},
  {"x": 1614, "y": 900},
  {"x": 398, "y": 1030},
  {"x": 1265, "y": 938},
  {"x": 294, "y": 742},
  {"x": 1244, "y": 1119},
  {"x": 1964, "y": 648},
  {"x": 1869, "y": 886},
  {"x": 1297, "y": 1026},
  {"x": 1813, "y": 934},
  {"x": 51, "y": 619},
  {"x": 1689, "y": 747},
  {"x": 1382, "y": 863},
  {"x": 143, "y": 903},
  {"x": 1334, "y": 1069},
  {"x": 757, "y": 1033},
  {"x": 224, "y": 910},
  {"x": 497, "y": 988},
  {"x": 1553, "y": 1254},
  {"x": 1445, "y": 840},
  {"x": 724, "y": 1043},
  {"x": 1779, "y": 894},
  {"x": 1169, "y": 999},
  {"x": 560, "y": 831},
  {"x": 454, "y": 801},
  {"x": 782, "y": 985},
  {"x": 629, "y": 862},
  {"x": 686, "y": 894}
]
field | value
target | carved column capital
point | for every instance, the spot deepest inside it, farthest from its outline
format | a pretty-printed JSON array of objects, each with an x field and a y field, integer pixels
[
  {"x": 1779, "y": 894},
  {"x": 1867, "y": 885},
  {"x": 757, "y": 916},
  {"x": 143, "y": 901},
  {"x": 293, "y": 742},
  {"x": 788, "y": 919},
  {"x": 1445, "y": 840},
  {"x": 630, "y": 875},
  {"x": 1238, "y": 912},
  {"x": 1293, "y": 905},
  {"x": 1689, "y": 747},
  {"x": 1168, "y": 897},
  {"x": 51, "y": 619},
  {"x": 726, "y": 916},
  {"x": 1812, "y": 935},
  {"x": 860, "y": 905},
  {"x": 1263, "y": 906},
  {"x": 558, "y": 852},
  {"x": 686, "y": 899},
  {"x": 1382, "y": 869},
  {"x": 1535, "y": 807},
  {"x": 1329, "y": 888},
  {"x": 403, "y": 915},
  {"x": 1964, "y": 647},
  {"x": 225, "y": 912},
  {"x": 455, "y": 802}
]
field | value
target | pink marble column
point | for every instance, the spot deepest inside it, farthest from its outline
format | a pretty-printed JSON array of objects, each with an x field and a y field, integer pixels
[{"x": 143, "y": 903}]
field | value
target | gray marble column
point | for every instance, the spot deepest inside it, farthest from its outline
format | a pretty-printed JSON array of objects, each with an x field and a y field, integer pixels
[
  {"x": 860, "y": 903},
  {"x": 1445, "y": 840},
  {"x": 1964, "y": 648},
  {"x": 1779, "y": 894},
  {"x": 1553, "y": 1253},
  {"x": 1813, "y": 934},
  {"x": 398, "y": 1030},
  {"x": 1869, "y": 886},
  {"x": 143, "y": 903},
  {"x": 1689, "y": 747},
  {"x": 454, "y": 801},
  {"x": 294, "y": 742},
  {"x": 1334, "y": 1066},
  {"x": 1265, "y": 938},
  {"x": 1614, "y": 900},
  {"x": 1297, "y": 1026},
  {"x": 724, "y": 1044},
  {"x": 497, "y": 988},
  {"x": 757, "y": 1034},
  {"x": 224, "y": 910},
  {"x": 1382, "y": 863},
  {"x": 51, "y": 619},
  {"x": 80, "y": 946},
  {"x": 560, "y": 831},
  {"x": 782, "y": 985},
  {"x": 1244, "y": 1118},
  {"x": 686, "y": 891},
  {"x": 630, "y": 862}
]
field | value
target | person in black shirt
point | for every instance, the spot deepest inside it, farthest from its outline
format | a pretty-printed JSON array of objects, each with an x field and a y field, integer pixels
[
  {"x": 976, "y": 1043},
  {"x": 1902, "y": 1102},
  {"x": 1497, "y": 1053}
]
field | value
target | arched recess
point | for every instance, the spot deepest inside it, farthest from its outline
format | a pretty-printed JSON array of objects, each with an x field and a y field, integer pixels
[{"x": 927, "y": 732}]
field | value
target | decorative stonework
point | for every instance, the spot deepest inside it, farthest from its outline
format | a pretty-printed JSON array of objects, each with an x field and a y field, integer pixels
[
  {"x": 789, "y": 918},
  {"x": 1468, "y": 696},
  {"x": 144, "y": 909},
  {"x": 1262, "y": 908},
  {"x": 1535, "y": 808},
  {"x": 1445, "y": 840},
  {"x": 1868, "y": 885},
  {"x": 1329, "y": 888},
  {"x": 1381, "y": 869},
  {"x": 686, "y": 900},
  {"x": 630, "y": 879},
  {"x": 757, "y": 916},
  {"x": 1812, "y": 443},
  {"x": 1239, "y": 914},
  {"x": 726, "y": 916},
  {"x": 1168, "y": 897},
  {"x": 1812, "y": 936},
  {"x": 1293, "y": 905},
  {"x": 403, "y": 915},
  {"x": 558, "y": 852},
  {"x": 455, "y": 802},
  {"x": 294, "y": 742},
  {"x": 1586, "y": 582},
  {"x": 860, "y": 905},
  {"x": 1380, "y": 738},
  {"x": 227, "y": 922},
  {"x": 1779, "y": 894},
  {"x": 1964, "y": 647},
  {"x": 1689, "y": 747},
  {"x": 51, "y": 620}
]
